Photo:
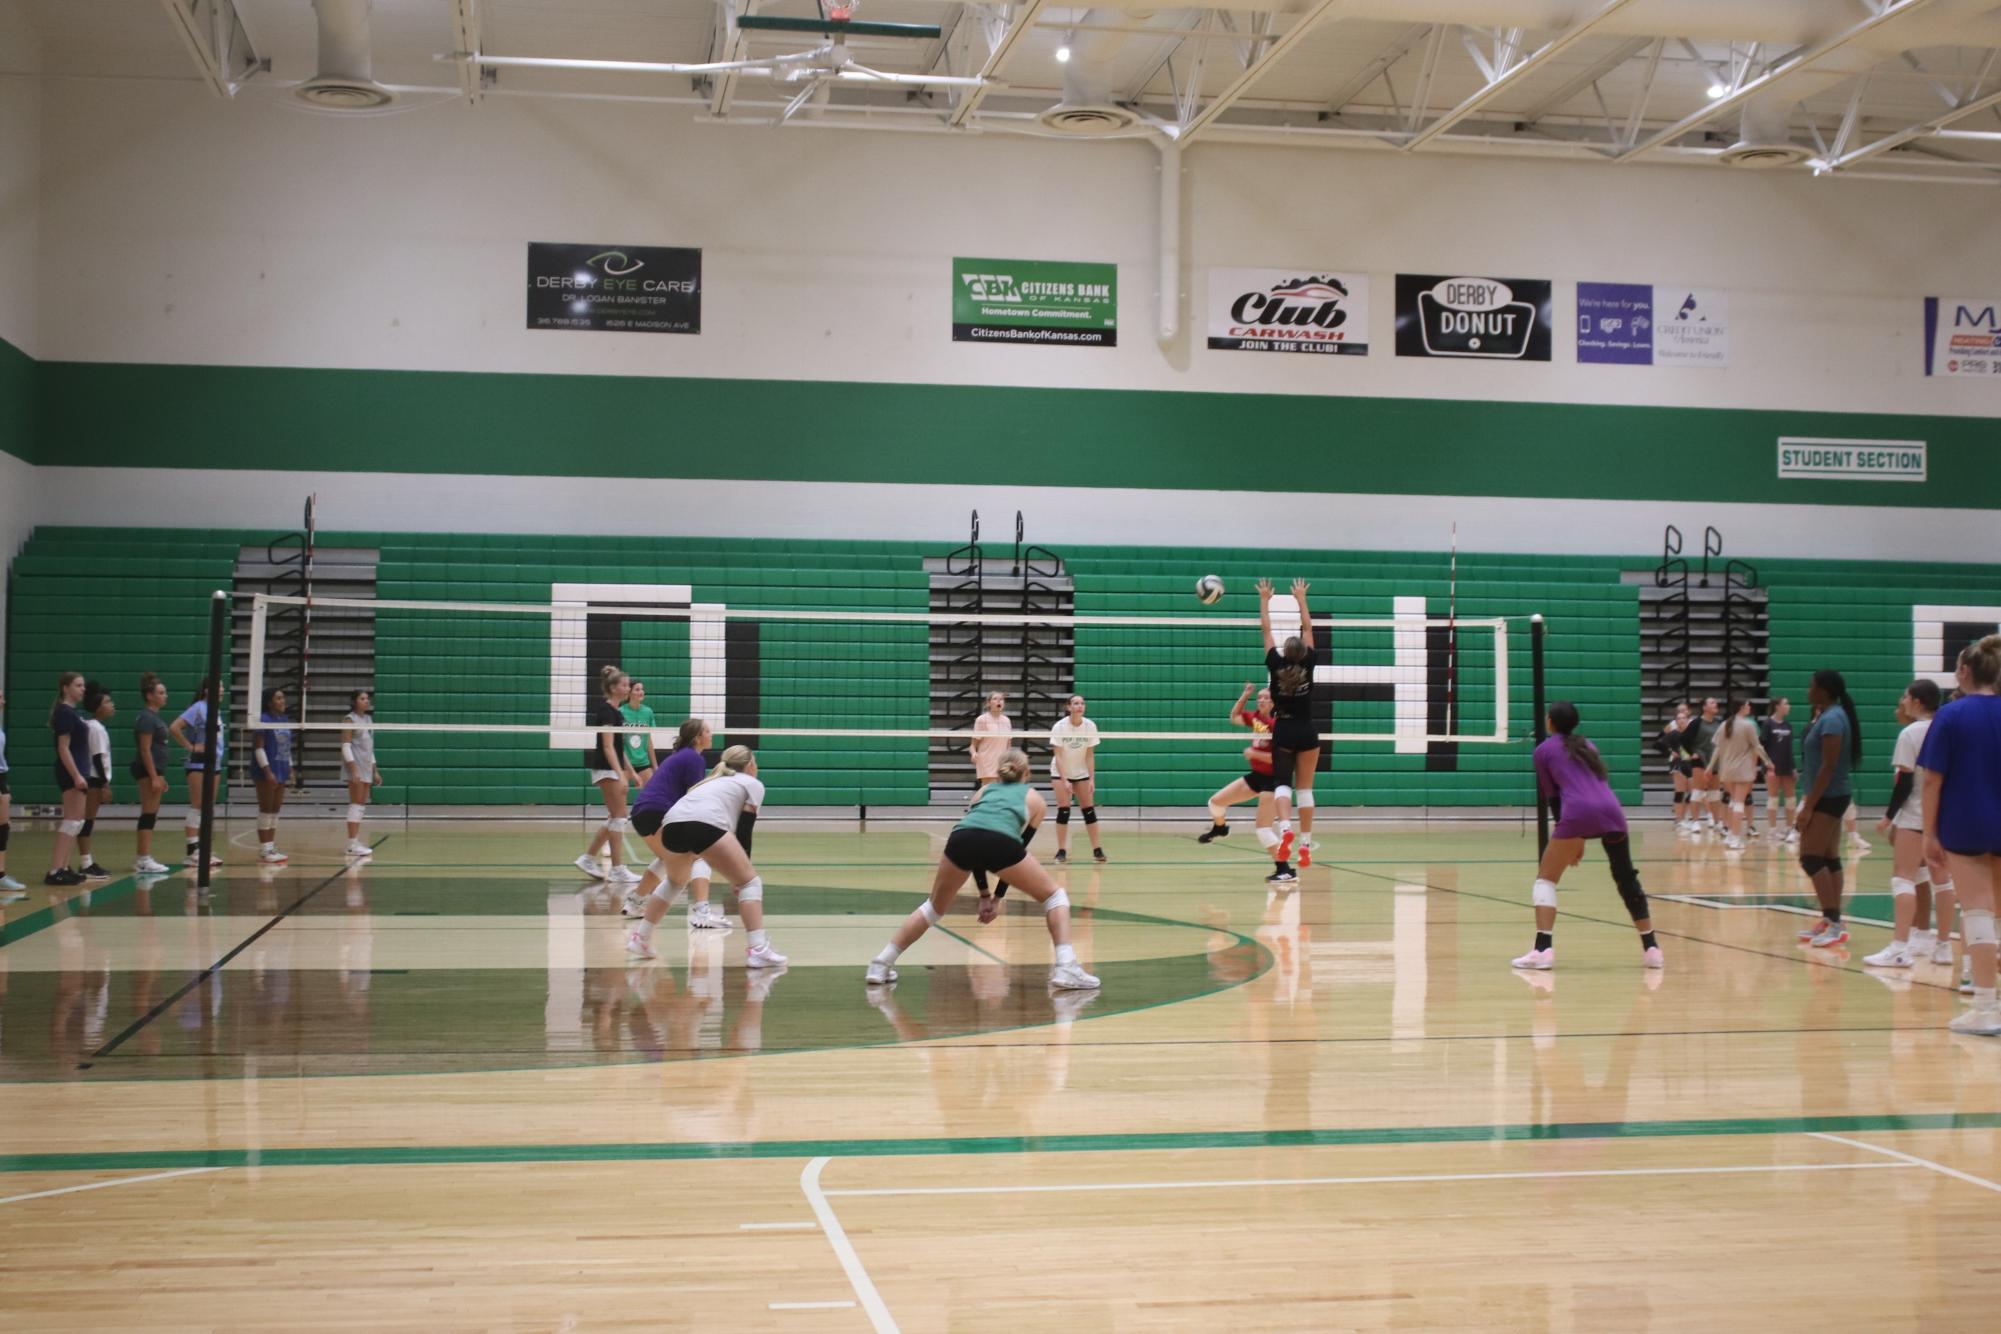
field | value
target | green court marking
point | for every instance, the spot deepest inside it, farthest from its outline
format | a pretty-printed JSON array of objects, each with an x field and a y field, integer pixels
[
  {"x": 41, "y": 919},
  {"x": 395, "y": 1155},
  {"x": 970, "y": 945}
]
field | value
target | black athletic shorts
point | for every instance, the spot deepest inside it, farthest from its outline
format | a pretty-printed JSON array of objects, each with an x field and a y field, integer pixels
[
  {"x": 1685, "y": 768},
  {"x": 1260, "y": 783},
  {"x": 689, "y": 836},
  {"x": 983, "y": 849},
  {"x": 98, "y": 784},
  {"x": 647, "y": 823},
  {"x": 1835, "y": 806},
  {"x": 1957, "y": 852},
  {"x": 1295, "y": 735},
  {"x": 5, "y": 791},
  {"x": 64, "y": 782}
]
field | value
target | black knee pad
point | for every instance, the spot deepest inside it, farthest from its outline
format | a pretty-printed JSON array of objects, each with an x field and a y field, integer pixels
[
  {"x": 1090, "y": 815},
  {"x": 88, "y": 826},
  {"x": 147, "y": 819},
  {"x": 1627, "y": 878},
  {"x": 5, "y": 829},
  {"x": 1815, "y": 865},
  {"x": 1063, "y": 815}
]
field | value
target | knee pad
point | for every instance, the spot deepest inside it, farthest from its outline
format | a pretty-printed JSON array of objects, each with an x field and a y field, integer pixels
[
  {"x": 1090, "y": 815},
  {"x": 928, "y": 913},
  {"x": 1267, "y": 837},
  {"x": 660, "y": 892},
  {"x": 70, "y": 827},
  {"x": 354, "y": 812},
  {"x": 618, "y": 824},
  {"x": 752, "y": 890},
  {"x": 1630, "y": 893},
  {"x": 147, "y": 819},
  {"x": 1282, "y": 792},
  {"x": 1943, "y": 887},
  {"x": 89, "y": 828},
  {"x": 1063, "y": 815},
  {"x": 1544, "y": 894},
  {"x": 1815, "y": 865},
  {"x": 1922, "y": 876},
  {"x": 657, "y": 869},
  {"x": 1061, "y": 899},
  {"x": 1900, "y": 887},
  {"x": 1976, "y": 927},
  {"x": 701, "y": 870},
  {"x": 1305, "y": 799},
  {"x": 5, "y": 829},
  {"x": 1737, "y": 807}
]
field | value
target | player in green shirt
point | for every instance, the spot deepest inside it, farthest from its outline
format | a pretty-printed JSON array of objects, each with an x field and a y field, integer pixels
[{"x": 639, "y": 745}]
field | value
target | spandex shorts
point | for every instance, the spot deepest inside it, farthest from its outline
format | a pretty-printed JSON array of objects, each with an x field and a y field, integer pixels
[
  {"x": 1835, "y": 806},
  {"x": 983, "y": 849},
  {"x": 99, "y": 784},
  {"x": 1260, "y": 783},
  {"x": 607, "y": 776},
  {"x": 689, "y": 836},
  {"x": 5, "y": 791},
  {"x": 1683, "y": 767},
  {"x": 1968, "y": 852},
  {"x": 64, "y": 782},
  {"x": 647, "y": 823}
]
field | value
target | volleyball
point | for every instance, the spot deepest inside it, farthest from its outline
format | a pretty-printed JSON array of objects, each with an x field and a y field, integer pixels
[{"x": 1208, "y": 590}]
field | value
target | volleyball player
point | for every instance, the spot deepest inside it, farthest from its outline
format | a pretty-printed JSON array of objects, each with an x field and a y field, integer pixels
[
  {"x": 1781, "y": 777},
  {"x": 1672, "y": 743},
  {"x": 270, "y": 772},
  {"x": 190, "y": 732},
  {"x": 1255, "y": 784},
  {"x": 991, "y": 730},
  {"x": 1295, "y": 740},
  {"x": 713, "y": 823},
  {"x": 149, "y": 768},
  {"x": 357, "y": 767},
  {"x": 11, "y": 890},
  {"x": 72, "y": 775},
  {"x": 1961, "y": 764},
  {"x": 97, "y": 706},
  {"x": 1832, "y": 746},
  {"x": 639, "y": 751},
  {"x": 1570, "y": 774},
  {"x": 1736, "y": 755},
  {"x": 993, "y": 836},
  {"x": 1914, "y": 878},
  {"x": 606, "y": 762},
  {"x": 1702, "y": 781},
  {"x": 1073, "y": 774},
  {"x": 671, "y": 781}
]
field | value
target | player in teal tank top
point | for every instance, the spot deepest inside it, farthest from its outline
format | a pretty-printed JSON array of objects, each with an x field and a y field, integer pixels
[{"x": 993, "y": 837}]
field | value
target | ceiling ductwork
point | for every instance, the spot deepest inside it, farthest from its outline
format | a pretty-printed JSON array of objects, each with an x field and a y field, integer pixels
[
  {"x": 1088, "y": 109},
  {"x": 345, "y": 80},
  {"x": 1764, "y": 138}
]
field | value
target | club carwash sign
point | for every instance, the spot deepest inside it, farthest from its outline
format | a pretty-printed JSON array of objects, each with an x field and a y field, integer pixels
[
  {"x": 1805, "y": 456},
  {"x": 1963, "y": 336},
  {"x": 1289, "y": 310}
]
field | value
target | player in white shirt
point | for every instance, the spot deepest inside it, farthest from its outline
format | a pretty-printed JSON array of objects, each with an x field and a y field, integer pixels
[
  {"x": 1921, "y": 889},
  {"x": 990, "y": 734},
  {"x": 97, "y": 706},
  {"x": 1073, "y": 773},
  {"x": 713, "y": 823}
]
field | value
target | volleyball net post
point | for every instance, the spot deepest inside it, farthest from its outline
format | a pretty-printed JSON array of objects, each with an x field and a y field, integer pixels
[
  {"x": 218, "y": 615},
  {"x": 1541, "y": 731}
]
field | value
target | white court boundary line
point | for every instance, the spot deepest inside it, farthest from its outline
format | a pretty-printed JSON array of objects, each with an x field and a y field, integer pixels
[
  {"x": 844, "y": 1251},
  {"x": 1910, "y": 1159},
  {"x": 1412, "y": 1178},
  {"x": 105, "y": 1185}
]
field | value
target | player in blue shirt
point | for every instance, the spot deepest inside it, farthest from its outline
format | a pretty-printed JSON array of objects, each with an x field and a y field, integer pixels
[
  {"x": 1961, "y": 767},
  {"x": 1828, "y": 756}
]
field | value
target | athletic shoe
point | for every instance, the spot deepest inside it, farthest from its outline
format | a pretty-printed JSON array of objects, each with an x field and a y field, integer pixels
[
  {"x": 1653, "y": 958},
  {"x": 1942, "y": 953},
  {"x": 632, "y": 905},
  {"x": 93, "y": 871},
  {"x": 9, "y": 883},
  {"x": 273, "y": 857},
  {"x": 589, "y": 866},
  {"x": 1539, "y": 960},
  {"x": 1098, "y": 855},
  {"x": 763, "y": 956},
  {"x": 1859, "y": 843},
  {"x": 1896, "y": 954},
  {"x": 638, "y": 946},
  {"x": 708, "y": 916},
  {"x": 147, "y": 866},
  {"x": 1732, "y": 843},
  {"x": 1810, "y": 932},
  {"x": 1979, "y": 1022},
  {"x": 360, "y": 849},
  {"x": 880, "y": 975},
  {"x": 1282, "y": 876},
  {"x": 1305, "y": 855},
  {"x": 1062, "y": 855},
  {"x": 1212, "y": 833},
  {"x": 622, "y": 874},
  {"x": 1283, "y": 853},
  {"x": 62, "y": 878},
  {"x": 1830, "y": 937},
  {"x": 1071, "y": 977},
  {"x": 1792, "y": 836}
]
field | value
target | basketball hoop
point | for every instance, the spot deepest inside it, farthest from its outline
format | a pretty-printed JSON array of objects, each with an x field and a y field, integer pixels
[{"x": 839, "y": 12}]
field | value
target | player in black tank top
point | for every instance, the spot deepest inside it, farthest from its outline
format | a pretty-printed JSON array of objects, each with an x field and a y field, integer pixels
[{"x": 1295, "y": 742}]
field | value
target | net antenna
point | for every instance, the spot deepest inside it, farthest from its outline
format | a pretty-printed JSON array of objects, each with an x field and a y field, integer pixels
[{"x": 1452, "y": 634}]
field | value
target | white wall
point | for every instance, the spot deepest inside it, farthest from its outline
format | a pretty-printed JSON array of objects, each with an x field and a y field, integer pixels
[
  {"x": 20, "y": 266},
  {"x": 180, "y": 228}
]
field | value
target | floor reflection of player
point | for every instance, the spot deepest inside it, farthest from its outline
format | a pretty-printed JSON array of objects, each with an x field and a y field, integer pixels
[{"x": 357, "y": 943}]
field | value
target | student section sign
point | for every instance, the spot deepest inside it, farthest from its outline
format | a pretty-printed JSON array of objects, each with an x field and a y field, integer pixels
[{"x": 1035, "y": 301}]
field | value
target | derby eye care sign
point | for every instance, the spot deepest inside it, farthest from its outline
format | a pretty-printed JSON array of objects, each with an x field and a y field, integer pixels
[
  {"x": 1035, "y": 301},
  {"x": 1289, "y": 310},
  {"x": 614, "y": 289}
]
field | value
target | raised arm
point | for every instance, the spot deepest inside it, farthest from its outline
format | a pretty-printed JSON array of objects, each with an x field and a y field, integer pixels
[
  {"x": 1264, "y": 612},
  {"x": 1237, "y": 714},
  {"x": 1305, "y": 616}
]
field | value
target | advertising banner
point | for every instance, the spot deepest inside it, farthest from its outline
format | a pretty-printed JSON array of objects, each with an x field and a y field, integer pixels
[
  {"x": 1496, "y": 319},
  {"x": 1632, "y": 324},
  {"x": 614, "y": 289},
  {"x": 1963, "y": 336},
  {"x": 1035, "y": 301},
  {"x": 1289, "y": 310}
]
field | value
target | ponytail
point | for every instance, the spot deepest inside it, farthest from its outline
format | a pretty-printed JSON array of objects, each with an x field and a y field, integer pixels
[
  {"x": 608, "y": 676},
  {"x": 63, "y": 683},
  {"x": 1833, "y": 684},
  {"x": 1563, "y": 721},
  {"x": 734, "y": 761},
  {"x": 690, "y": 729}
]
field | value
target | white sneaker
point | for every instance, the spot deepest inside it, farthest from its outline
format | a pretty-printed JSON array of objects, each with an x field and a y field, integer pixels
[
  {"x": 632, "y": 905},
  {"x": 272, "y": 857},
  {"x": 1981, "y": 1023},
  {"x": 621, "y": 874},
  {"x": 1921, "y": 943},
  {"x": 1732, "y": 843},
  {"x": 193, "y": 861},
  {"x": 1540, "y": 960},
  {"x": 1651, "y": 957},
  {"x": 359, "y": 849},
  {"x": 10, "y": 884},
  {"x": 880, "y": 974},
  {"x": 144, "y": 866},
  {"x": 1792, "y": 836},
  {"x": 1942, "y": 953},
  {"x": 1071, "y": 977},
  {"x": 708, "y": 917},
  {"x": 1829, "y": 937},
  {"x": 589, "y": 866},
  {"x": 1896, "y": 954},
  {"x": 763, "y": 956},
  {"x": 638, "y": 946},
  {"x": 1859, "y": 843}
]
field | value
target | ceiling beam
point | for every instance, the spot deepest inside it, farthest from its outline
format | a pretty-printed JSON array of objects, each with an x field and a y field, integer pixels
[
  {"x": 1375, "y": 69},
  {"x": 215, "y": 36},
  {"x": 733, "y": 46},
  {"x": 1785, "y": 69},
  {"x": 1020, "y": 22},
  {"x": 1318, "y": 12},
  {"x": 1918, "y": 131},
  {"x": 1512, "y": 76},
  {"x": 1614, "y": 58},
  {"x": 465, "y": 31}
]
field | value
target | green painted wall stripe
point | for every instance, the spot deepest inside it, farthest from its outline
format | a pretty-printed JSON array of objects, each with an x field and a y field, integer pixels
[
  {"x": 129, "y": 415},
  {"x": 17, "y": 401},
  {"x": 387, "y": 1155}
]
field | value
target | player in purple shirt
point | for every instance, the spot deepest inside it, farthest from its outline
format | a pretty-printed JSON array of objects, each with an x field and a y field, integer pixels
[
  {"x": 1572, "y": 778},
  {"x": 682, "y": 769}
]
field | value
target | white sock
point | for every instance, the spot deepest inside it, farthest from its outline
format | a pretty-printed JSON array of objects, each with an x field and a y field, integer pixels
[
  {"x": 1066, "y": 954},
  {"x": 644, "y": 928},
  {"x": 1284, "y": 827},
  {"x": 1983, "y": 998},
  {"x": 759, "y": 939},
  {"x": 887, "y": 955}
]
